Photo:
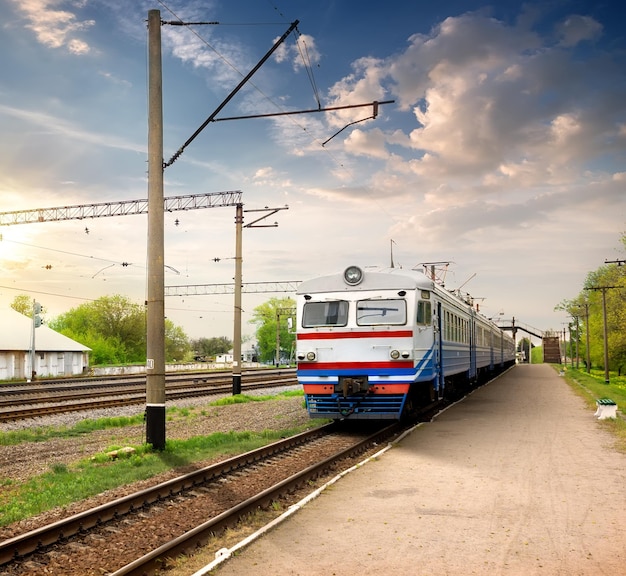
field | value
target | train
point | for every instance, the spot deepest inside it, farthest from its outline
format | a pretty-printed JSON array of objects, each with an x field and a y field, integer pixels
[{"x": 379, "y": 343}]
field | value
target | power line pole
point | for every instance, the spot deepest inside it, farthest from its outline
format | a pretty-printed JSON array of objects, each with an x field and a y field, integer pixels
[
  {"x": 603, "y": 289},
  {"x": 155, "y": 305},
  {"x": 237, "y": 320},
  {"x": 238, "y": 282}
]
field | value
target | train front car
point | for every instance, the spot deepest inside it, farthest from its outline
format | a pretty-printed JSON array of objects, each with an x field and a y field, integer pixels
[{"x": 365, "y": 342}]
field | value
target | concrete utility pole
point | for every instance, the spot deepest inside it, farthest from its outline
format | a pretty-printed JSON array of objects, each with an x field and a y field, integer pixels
[
  {"x": 155, "y": 311},
  {"x": 605, "y": 332},
  {"x": 606, "y": 337},
  {"x": 237, "y": 321}
]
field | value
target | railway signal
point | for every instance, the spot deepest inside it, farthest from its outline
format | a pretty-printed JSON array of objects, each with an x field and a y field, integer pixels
[{"x": 37, "y": 321}]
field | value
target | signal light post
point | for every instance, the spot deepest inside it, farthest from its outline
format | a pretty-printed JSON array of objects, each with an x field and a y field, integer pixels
[{"x": 36, "y": 323}]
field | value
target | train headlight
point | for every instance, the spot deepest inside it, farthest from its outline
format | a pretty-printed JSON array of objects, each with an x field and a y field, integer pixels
[
  {"x": 395, "y": 354},
  {"x": 310, "y": 356},
  {"x": 353, "y": 275},
  {"x": 405, "y": 354}
]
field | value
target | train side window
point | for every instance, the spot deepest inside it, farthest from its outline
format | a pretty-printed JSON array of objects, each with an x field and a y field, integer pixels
[
  {"x": 333, "y": 313},
  {"x": 424, "y": 313},
  {"x": 374, "y": 312}
]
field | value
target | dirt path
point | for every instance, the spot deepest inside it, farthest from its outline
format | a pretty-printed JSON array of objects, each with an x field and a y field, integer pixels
[{"x": 518, "y": 479}]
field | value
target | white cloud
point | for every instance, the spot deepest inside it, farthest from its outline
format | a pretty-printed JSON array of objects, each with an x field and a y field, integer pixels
[
  {"x": 54, "y": 27},
  {"x": 301, "y": 53},
  {"x": 62, "y": 127},
  {"x": 370, "y": 143},
  {"x": 491, "y": 102}
]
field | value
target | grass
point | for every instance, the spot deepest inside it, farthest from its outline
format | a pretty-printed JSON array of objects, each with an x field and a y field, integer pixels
[
  {"x": 87, "y": 426},
  {"x": 64, "y": 484},
  {"x": 591, "y": 387}
]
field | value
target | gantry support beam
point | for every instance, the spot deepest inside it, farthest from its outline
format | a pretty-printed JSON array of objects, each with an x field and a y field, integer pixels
[
  {"x": 249, "y": 288},
  {"x": 121, "y": 208}
]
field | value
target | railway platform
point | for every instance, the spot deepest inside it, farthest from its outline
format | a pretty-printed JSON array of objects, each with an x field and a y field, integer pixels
[{"x": 519, "y": 478}]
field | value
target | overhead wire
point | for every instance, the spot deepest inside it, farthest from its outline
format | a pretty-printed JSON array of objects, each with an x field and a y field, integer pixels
[
  {"x": 69, "y": 253},
  {"x": 306, "y": 59},
  {"x": 308, "y": 69}
]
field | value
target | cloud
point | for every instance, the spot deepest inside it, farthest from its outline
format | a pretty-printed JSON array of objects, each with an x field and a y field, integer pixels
[
  {"x": 576, "y": 29},
  {"x": 498, "y": 217},
  {"x": 302, "y": 53},
  {"x": 54, "y": 27},
  {"x": 493, "y": 102},
  {"x": 62, "y": 127}
]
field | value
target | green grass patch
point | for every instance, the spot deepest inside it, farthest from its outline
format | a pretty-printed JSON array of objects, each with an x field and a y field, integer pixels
[
  {"x": 87, "y": 426},
  {"x": 65, "y": 484},
  {"x": 81, "y": 428},
  {"x": 592, "y": 387}
]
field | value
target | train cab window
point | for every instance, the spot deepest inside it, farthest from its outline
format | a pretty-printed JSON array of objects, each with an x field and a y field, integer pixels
[
  {"x": 375, "y": 312},
  {"x": 424, "y": 313},
  {"x": 333, "y": 313}
]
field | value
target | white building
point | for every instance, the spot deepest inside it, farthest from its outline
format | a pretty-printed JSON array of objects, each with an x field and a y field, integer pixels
[{"x": 55, "y": 354}]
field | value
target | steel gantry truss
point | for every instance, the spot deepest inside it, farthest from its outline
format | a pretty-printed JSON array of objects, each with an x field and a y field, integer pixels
[
  {"x": 121, "y": 208},
  {"x": 248, "y": 287}
]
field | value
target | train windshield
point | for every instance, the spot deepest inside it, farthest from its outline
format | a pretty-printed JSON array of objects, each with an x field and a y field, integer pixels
[
  {"x": 333, "y": 313},
  {"x": 374, "y": 312}
]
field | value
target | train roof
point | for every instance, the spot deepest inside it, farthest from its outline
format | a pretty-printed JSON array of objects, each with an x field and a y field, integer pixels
[{"x": 372, "y": 278}]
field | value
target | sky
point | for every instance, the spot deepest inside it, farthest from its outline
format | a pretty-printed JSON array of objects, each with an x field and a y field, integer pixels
[{"x": 501, "y": 154}]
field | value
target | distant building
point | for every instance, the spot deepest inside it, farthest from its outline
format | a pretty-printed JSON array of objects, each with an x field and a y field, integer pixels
[{"x": 55, "y": 354}]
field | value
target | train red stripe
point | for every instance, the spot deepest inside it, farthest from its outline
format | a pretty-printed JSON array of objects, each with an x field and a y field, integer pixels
[
  {"x": 354, "y": 365},
  {"x": 376, "y": 389},
  {"x": 368, "y": 334}
]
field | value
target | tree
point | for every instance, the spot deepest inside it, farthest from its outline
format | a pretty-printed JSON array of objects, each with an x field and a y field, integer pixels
[
  {"x": 267, "y": 317},
  {"x": 115, "y": 329},
  {"x": 23, "y": 304},
  {"x": 206, "y": 347},
  {"x": 588, "y": 308},
  {"x": 177, "y": 346},
  {"x": 525, "y": 345}
]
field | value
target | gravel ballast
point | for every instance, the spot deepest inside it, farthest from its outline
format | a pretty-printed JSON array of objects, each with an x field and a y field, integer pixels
[{"x": 22, "y": 461}]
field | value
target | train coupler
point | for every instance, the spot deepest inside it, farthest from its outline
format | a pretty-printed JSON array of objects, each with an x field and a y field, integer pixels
[{"x": 353, "y": 385}]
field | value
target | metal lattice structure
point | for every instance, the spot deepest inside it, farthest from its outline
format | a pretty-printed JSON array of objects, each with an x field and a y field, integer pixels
[
  {"x": 249, "y": 288},
  {"x": 121, "y": 208}
]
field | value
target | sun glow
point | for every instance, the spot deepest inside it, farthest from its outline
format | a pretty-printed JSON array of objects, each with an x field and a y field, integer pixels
[{"x": 13, "y": 252}]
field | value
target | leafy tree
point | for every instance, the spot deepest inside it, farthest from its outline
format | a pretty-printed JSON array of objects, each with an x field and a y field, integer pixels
[
  {"x": 207, "y": 347},
  {"x": 266, "y": 317},
  {"x": 111, "y": 319},
  {"x": 525, "y": 345},
  {"x": 23, "y": 304},
  {"x": 115, "y": 329},
  {"x": 177, "y": 346},
  {"x": 588, "y": 307}
]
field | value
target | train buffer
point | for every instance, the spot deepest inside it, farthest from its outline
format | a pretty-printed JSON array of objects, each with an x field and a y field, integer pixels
[{"x": 606, "y": 409}]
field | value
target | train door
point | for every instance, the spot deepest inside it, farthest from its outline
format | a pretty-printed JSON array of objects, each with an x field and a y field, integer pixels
[
  {"x": 439, "y": 376},
  {"x": 472, "y": 346}
]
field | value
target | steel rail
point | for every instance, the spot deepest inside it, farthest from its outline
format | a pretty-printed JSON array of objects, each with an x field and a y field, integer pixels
[
  {"x": 36, "y": 540},
  {"x": 36, "y": 395},
  {"x": 191, "y": 540},
  {"x": 119, "y": 398}
]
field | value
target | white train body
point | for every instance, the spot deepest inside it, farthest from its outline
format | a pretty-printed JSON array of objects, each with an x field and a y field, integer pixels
[{"x": 373, "y": 343}]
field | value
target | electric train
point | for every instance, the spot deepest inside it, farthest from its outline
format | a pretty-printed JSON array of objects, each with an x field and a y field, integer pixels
[{"x": 375, "y": 343}]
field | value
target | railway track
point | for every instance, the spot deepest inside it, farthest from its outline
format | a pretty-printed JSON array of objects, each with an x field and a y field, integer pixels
[
  {"x": 136, "y": 534},
  {"x": 19, "y": 402}
]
